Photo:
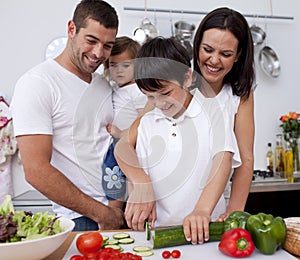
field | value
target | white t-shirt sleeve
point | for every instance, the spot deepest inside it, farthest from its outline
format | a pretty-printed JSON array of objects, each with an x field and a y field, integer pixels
[
  {"x": 222, "y": 132},
  {"x": 31, "y": 106}
]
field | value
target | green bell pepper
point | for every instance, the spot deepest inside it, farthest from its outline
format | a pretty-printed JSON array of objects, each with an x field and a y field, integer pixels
[
  {"x": 268, "y": 233},
  {"x": 237, "y": 219}
]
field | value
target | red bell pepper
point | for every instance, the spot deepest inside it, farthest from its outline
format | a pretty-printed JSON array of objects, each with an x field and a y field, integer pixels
[{"x": 237, "y": 242}]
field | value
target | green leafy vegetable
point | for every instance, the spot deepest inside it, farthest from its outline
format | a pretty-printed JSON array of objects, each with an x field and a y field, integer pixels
[{"x": 17, "y": 225}]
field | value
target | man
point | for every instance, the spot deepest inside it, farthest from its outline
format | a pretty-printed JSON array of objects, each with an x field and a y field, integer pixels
[{"x": 60, "y": 110}]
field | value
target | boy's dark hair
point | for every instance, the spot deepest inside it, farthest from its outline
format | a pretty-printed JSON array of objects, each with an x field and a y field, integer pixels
[
  {"x": 160, "y": 59},
  {"x": 97, "y": 10},
  {"x": 242, "y": 76}
]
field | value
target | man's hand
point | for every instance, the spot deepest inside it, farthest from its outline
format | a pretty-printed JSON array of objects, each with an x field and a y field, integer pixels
[{"x": 113, "y": 219}]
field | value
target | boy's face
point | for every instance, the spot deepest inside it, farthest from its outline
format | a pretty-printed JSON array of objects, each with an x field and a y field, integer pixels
[
  {"x": 172, "y": 100},
  {"x": 121, "y": 68}
]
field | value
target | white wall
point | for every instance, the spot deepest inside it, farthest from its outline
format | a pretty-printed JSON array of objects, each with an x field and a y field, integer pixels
[{"x": 28, "y": 26}]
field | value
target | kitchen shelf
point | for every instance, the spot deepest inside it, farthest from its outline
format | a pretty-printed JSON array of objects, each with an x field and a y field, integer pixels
[{"x": 171, "y": 11}]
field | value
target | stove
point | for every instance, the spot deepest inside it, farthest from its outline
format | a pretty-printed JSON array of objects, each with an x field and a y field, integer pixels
[
  {"x": 260, "y": 176},
  {"x": 33, "y": 201}
]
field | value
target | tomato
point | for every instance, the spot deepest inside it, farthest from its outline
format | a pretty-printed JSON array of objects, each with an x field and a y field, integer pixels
[
  {"x": 89, "y": 242},
  {"x": 176, "y": 253},
  {"x": 166, "y": 254},
  {"x": 76, "y": 257}
]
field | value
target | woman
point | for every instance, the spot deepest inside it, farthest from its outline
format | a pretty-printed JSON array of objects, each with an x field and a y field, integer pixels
[{"x": 223, "y": 56}]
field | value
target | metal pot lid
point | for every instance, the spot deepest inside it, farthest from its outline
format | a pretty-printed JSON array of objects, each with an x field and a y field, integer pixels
[
  {"x": 258, "y": 35},
  {"x": 269, "y": 62}
]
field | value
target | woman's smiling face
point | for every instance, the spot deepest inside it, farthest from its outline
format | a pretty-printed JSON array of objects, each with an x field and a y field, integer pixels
[{"x": 217, "y": 55}]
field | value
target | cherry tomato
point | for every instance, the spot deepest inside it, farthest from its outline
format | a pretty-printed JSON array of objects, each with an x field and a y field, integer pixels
[
  {"x": 103, "y": 255},
  {"x": 114, "y": 257},
  {"x": 76, "y": 257},
  {"x": 176, "y": 253},
  {"x": 166, "y": 254},
  {"x": 89, "y": 242}
]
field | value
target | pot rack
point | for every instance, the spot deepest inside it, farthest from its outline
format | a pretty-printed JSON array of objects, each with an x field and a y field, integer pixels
[{"x": 171, "y": 11}]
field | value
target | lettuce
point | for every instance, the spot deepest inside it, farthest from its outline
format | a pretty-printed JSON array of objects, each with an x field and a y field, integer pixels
[{"x": 17, "y": 225}]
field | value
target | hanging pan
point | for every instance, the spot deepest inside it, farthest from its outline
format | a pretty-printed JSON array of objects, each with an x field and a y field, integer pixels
[
  {"x": 269, "y": 62},
  {"x": 258, "y": 35}
]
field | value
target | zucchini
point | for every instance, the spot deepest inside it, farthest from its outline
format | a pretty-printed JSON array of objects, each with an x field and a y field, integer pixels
[{"x": 174, "y": 236}]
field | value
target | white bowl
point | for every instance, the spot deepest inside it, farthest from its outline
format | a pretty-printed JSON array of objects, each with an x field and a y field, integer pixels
[{"x": 38, "y": 248}]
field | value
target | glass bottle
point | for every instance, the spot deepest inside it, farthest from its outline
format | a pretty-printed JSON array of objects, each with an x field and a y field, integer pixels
[
  {"x": 279, "y": 157},
  {"x": 270, "y": 159},
  {"x": 288, "y": 163}
]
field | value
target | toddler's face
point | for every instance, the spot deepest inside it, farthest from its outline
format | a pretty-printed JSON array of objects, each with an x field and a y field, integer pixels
[{"x": 121, "y": 69}]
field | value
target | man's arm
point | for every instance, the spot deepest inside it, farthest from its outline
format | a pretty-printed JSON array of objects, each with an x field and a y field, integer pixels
[{"x": 36, "y": 151}]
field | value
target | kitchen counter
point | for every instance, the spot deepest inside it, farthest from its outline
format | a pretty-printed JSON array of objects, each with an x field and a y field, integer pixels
[
  {"x": 268, "y": 186},
  {"x": 68, "y": 245}
]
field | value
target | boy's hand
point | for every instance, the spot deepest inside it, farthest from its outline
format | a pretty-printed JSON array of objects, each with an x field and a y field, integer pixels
[
  {"x": 140, "y": 206},
  {"x": 196, "y": 227}
]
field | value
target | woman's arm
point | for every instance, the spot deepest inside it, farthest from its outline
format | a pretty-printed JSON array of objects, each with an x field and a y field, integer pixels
[
  {"x": 141, "y": 202},
  {"x": 242, "y": 177},
  {"x": 196, "y": 224}
]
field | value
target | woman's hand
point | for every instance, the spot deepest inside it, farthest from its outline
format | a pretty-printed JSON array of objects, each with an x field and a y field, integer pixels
[
  {"x": 140, "y": 206},
  {"x": 196, "y": 227}
]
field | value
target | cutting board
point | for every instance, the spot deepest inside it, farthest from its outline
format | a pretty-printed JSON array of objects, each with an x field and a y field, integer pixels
[{"x": 189, "y": 252}]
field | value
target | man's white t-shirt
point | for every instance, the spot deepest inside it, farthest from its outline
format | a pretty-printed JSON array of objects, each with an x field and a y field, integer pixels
[
  {"x": 177, "y": 155},
  {"x": 50, "y": 100}
]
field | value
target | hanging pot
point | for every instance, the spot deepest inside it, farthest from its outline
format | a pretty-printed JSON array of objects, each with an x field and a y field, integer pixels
[
  {"x": 146, "y": 31},
  {"x": 184, "y": 30},
  {"x": 258, "y": 35},
  {"x": 269, "y": 62}
]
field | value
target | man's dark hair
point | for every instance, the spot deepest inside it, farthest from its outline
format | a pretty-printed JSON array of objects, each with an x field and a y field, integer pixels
[{"x": 97, "y": 10}]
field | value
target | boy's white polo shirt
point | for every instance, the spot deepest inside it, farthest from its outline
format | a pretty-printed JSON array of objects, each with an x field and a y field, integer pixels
[{"x": 177, "y": 155}]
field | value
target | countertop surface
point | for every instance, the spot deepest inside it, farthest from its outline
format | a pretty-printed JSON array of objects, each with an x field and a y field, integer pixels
[{"x": 189, "y": 252}]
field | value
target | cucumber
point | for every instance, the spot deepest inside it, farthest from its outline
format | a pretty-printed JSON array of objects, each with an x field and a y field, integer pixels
[
  {"x": 148, "y": 232},
  {"x": 116, "y": 247},
  {"x": 112, "y": 242},
  {"x": 105, "y": 239},
  {"x": 142, "y": 248},
  {"x": 145, "y": 254},
  {"x": 121, "y": 235},
  {"x": 127, "y": 240},
  {"x": 174, "y": 236}
]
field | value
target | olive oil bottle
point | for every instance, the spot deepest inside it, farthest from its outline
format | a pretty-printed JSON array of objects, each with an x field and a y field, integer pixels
[
  {"x": 288, "y": 163},
  {"x": 279, "y": 157}
]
